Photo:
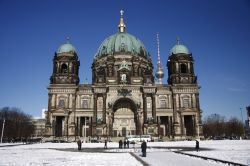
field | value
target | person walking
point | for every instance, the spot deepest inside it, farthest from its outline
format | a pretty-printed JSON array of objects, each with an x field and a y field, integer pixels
[
  {"x": 144, "y": 148},
  {"x": 79, "y": 143},
  {"x": 127, "y": 143},
  {"x": 120, "y": 144},
  {"x": 105, "y": 144},
  {"x": 124, "y": 143},
  {"x": 197, "y": 146}
]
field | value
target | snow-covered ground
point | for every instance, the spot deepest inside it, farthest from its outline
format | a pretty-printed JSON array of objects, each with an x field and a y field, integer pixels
[
  {"x": 158, "y": 153},
  {"x": 230, "y": 150}
]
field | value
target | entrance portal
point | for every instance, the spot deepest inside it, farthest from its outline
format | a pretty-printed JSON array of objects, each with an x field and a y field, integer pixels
[
  {"x": 124, "y": 122},
  {"x": 59, "y": 126},
  {"x": 189, "y": 125}
]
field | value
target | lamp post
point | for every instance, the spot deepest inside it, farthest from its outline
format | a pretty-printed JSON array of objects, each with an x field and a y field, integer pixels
[
  {"x": 2, "y": 131},
  {"x": 242, "y": 122}
]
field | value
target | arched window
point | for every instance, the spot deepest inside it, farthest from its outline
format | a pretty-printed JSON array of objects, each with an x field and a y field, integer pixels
[
  {"x": 64, "y": 68},
  {"x": 61, "y": 103},
  {"x": 85, "y": 103},
  {"x": 183, "y": 68},
  {"x": 163, "y": 104},
  {"x": 163, "y": 101},
  {"x": 186, "y": 102}
]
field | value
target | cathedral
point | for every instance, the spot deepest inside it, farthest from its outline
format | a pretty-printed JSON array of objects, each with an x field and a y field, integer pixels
[{"x": 125, "y": 96}]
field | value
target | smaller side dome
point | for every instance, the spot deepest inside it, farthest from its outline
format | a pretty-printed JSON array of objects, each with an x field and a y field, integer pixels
[
  {"x": 66, "y": 48},
  {"x": 179, "y": 49}
]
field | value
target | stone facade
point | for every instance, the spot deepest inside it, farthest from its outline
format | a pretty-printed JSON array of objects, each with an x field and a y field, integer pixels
[
  {"x": 123, "y": 98},
  {"x": 39, "y": 124}
]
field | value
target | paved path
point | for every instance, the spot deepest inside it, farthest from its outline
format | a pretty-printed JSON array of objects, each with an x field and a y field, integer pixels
[
  {"x": 168, "y": 158},
  {"x": 160, "y": 157}
]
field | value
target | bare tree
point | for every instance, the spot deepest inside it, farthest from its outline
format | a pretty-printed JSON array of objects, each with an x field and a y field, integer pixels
[
  {"x": 17, "y": 123},
  {"x": 215, "y": 126},
  {"x": 235, "y": 128}
]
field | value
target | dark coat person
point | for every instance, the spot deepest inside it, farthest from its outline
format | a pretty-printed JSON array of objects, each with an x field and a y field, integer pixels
[
  {"x": 124, "y": 144},
  {"x": 197, "y": 146},
  {"x": 79, "y": 143},
  {"x": 120, "y": 144},
  {"x": 144, "y": 148},
  {"x": 105, "y": 144},
  {"x": 128, "y": 143}
]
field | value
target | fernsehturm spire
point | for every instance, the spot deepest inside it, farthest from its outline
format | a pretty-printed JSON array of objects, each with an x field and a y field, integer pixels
[{"x": 159, "y": 72}]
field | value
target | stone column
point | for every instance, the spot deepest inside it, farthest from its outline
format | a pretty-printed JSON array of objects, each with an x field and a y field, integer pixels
[
  {"x": 153, "y": 108},
  {"x": 171, "y": 126},
  {"x": 79, "y": 126},
  {"x": 145, "y": 108},
  {"x": 66, "y": 127},
  {"x": 67, "y": 104},
  {"x": 95, "y": 109},
  {"x": 104, "y": 107},
  {"x": 183, "y": 130},
  {"x": 193, "y": 101},
  {"x": 110, "y": 125},
  {"x": 174, "y": 109},
  {"x": 55, "y": 104},
  {"x": 94, "y": 120},
  {"x": 176, "y": 67},
  {"x": 194, "y": 124},
  {"x": 49, "y": 102},
  {"x": 198, "y": 107},
  {"x": 53, "y": 126}
]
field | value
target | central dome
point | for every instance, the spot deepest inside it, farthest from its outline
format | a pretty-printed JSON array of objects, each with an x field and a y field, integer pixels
[{"x": 122, "y": 42}]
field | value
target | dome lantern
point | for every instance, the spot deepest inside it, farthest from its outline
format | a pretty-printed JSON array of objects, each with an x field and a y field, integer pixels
[
  {"x": 122, "y": 25},
  {"x": 179, "y": 48}
]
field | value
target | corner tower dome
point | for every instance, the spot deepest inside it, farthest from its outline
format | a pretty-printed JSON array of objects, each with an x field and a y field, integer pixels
[
  {"x": 66, "y": 48},
  {"x": 179, "y": 48},
  {"x": 121, "y": 42}
]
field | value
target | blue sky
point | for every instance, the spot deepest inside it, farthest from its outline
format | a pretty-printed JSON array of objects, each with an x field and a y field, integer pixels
[{"x": 217, "y": 32}]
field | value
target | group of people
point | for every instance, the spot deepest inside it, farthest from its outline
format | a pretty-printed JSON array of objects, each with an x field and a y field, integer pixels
[{"x": 125, "y": 144}]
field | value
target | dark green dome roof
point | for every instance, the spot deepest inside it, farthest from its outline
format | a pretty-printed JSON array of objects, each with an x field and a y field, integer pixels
[
  {"x": 179, "y": 48},
  {"x": 122, "y": 42},
  {"x": 66, "y": 48}
]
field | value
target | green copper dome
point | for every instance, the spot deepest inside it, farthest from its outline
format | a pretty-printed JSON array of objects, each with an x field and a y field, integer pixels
[
  {"x": 179, "y": 49},
  {"x": 122, "y": 42},
  {"x": 66, "y": 48}
]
